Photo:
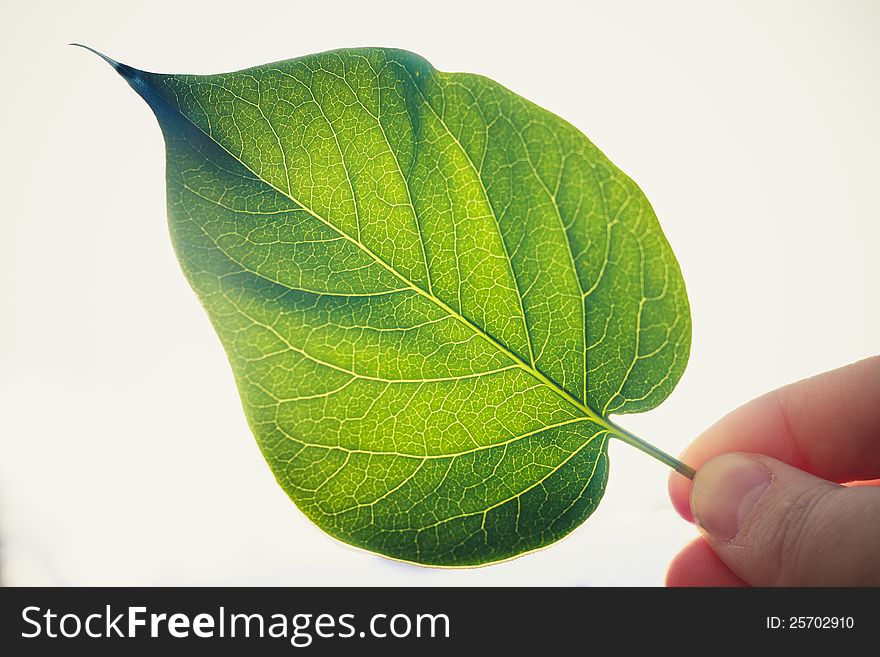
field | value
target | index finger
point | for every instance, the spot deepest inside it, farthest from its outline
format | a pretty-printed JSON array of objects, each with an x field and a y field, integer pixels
[{"x": 828, "y": 425}]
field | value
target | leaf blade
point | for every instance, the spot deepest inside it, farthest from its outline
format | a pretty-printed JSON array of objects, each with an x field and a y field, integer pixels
[{"x": 318, "y": 239}]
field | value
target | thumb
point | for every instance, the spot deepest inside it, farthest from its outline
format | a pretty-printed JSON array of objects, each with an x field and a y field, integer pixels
[{"x": 775, "y": 525}]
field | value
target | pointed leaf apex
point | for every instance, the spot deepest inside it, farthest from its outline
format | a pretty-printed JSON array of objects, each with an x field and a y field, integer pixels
[{"x": 130, "y": 74}]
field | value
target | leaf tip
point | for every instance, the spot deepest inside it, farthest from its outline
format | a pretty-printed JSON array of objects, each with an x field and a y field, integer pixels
[
  {"x": 126, "y": 71},
  {"x": 116, "y": 65}
]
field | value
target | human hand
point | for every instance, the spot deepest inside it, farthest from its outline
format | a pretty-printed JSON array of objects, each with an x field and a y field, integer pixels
[{"x": 764, "y": 495}]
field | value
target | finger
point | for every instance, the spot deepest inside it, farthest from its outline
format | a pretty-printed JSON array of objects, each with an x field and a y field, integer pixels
[
  {"x": 774, "y": 525},
  {"x": 828, "y": 425},
  {"x": 698, "y": 565}
]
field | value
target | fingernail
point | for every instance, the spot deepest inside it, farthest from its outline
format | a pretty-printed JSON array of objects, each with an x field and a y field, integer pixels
[{"x": 724, "y": 492}]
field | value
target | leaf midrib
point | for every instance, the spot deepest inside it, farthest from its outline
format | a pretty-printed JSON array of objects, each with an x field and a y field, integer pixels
[{"x": 534, "y": 372}]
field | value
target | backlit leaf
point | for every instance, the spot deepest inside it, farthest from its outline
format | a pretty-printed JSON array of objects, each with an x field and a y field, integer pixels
[{"x": 432, "y": 293}]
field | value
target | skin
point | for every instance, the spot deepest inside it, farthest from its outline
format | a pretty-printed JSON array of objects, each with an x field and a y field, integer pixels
[{"x": 817, "y": 519}]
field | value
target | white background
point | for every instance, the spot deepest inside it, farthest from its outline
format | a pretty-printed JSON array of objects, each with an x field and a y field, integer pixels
[{"x": 124, "y": 454}]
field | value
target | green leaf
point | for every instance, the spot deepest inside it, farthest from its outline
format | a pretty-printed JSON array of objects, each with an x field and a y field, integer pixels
[{"x": 432, "y": 293}]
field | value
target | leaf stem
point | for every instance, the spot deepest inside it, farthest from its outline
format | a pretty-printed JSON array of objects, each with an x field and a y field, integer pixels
[{"x": 681, "y": 468}]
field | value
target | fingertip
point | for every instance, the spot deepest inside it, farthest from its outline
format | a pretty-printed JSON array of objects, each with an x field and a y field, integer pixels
[{"x": 697, "y": 565}]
